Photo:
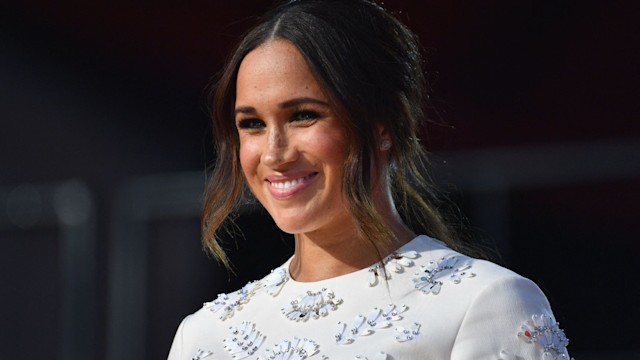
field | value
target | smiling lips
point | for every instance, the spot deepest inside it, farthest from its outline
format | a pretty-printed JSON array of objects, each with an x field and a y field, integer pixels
[{"x": 281, "y": 188}]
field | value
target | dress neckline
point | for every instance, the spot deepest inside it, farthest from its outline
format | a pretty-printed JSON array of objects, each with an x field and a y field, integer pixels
[{"x": 419, "y": 243}]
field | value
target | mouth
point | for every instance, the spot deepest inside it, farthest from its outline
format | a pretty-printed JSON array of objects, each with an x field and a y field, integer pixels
[
  {"x": 291, "y": 183},
  {"x": 285, "y": 188}
]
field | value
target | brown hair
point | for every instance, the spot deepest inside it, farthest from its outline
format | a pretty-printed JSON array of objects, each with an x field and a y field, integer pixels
[{"x": 370, "y": 66}]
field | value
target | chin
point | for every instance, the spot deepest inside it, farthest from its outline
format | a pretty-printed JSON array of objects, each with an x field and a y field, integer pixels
[
  {"x": 289, "y": 228},
  {"x": 291, "y": 225}
]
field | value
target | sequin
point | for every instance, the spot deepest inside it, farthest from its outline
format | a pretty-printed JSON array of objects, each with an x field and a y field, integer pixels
[
  {"x": 429, "y": 280},
  {"x": 227, "y": 304},
  {"x": 363, "y": 326},
  {"x": 297, "y": 349},
  {"x": 403, "y": 334},
  {"x": 543, "y": 331},
  {"x": 396, "y": 262},
  {"x": 274, "y": 282},
  {"x": 244, "y": 341},
  {"x": 311, "y": 305}
]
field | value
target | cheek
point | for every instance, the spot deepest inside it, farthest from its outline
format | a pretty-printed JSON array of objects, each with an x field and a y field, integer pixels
[
  {"x": 332, "y": 148},
  {"x": 249, "y": 157}
]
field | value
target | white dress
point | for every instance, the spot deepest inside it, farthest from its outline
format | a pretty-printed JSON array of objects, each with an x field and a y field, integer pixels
[{"x": 436, "y": 304}]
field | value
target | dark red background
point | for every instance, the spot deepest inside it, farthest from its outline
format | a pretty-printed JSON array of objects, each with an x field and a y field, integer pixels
[{"x": 505, "y": 74}]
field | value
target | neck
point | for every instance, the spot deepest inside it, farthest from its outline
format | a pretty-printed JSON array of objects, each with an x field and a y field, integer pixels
[{"x": 323, "y": 255}]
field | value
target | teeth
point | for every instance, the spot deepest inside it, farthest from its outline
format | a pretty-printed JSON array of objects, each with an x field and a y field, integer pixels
[{"x": 289, "y": 183}]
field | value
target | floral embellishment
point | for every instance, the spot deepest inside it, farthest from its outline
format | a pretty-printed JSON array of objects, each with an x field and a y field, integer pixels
[
  {"x": 393, "y": 263},
  {"x": 244, "y": 342},
  {"x": 403, "y": 334},
  {"x": 429, "y": 279},
  {"x": 311, "y": 304},
  {"x": 201, "y": 354},
  {"x": 362, "y": 326},
  {"x": 227, "y": 304},
  {"x": 544, "y": 331},
  {"x": 298, "y": 349},
  {"x": 379, "y": 356},
  {"x": 275, "y": 281}
]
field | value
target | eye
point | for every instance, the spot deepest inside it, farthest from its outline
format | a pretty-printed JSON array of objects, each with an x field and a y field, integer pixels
[
  {"x": 305, "y": 115},
  {"x": 250, "y": 124}
]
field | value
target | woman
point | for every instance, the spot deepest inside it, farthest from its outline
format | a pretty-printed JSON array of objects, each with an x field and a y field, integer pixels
[{"x": 318, "y": 112}]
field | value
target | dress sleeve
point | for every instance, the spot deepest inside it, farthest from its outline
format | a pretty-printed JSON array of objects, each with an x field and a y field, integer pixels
[
  {"x": 510, "y": 320},
  {"x": 176, "y": 347}
]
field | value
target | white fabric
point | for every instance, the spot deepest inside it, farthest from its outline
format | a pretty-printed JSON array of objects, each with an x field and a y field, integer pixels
[{"x": 479, "y": 317}]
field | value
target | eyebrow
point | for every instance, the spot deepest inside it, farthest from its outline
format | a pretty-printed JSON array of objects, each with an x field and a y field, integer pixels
[
  {"x": 283, "y": 105},
  {"x": 302, "y": 100}
]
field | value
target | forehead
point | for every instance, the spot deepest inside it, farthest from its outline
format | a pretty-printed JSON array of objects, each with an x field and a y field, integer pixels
[{"x": 276, "y": 70}]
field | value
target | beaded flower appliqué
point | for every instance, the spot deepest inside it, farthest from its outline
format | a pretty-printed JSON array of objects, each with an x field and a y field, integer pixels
[
  {"x": 396, "y": 262},
  {"x": 311, "y": 304},
  {"x": 298, "y": 349},
  {"x": 227, "y": 304},
  {"x": 545, "y": 332},
  {"x": 275, "y": 281},
  {"x": 244, "y": 342},
  {"x": 429, "y": 280},
  {"x": 362, "y": 326},
  {"x": 404, "y": 334}
]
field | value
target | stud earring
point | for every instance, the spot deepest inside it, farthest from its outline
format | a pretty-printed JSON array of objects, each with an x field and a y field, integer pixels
[{"x": 385, "y": 145}]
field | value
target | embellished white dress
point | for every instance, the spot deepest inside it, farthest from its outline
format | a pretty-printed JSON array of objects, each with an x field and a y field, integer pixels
[{"x": 436, "y": 304}]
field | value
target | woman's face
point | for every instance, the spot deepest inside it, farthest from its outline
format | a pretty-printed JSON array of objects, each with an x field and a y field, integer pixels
[{"x": 292, "y": 146}]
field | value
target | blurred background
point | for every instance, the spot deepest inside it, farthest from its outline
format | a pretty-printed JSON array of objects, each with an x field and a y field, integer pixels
[{"x": 104, "y": 142}]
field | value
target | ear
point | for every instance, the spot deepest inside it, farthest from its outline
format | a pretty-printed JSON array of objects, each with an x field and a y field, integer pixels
[
  {"x": 383, "y": 137},
  {"x": 381, "y": 130}
]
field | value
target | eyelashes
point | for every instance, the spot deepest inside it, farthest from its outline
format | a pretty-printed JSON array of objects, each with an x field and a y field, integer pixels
[
  {"x": 298, "y": 116},
  {"x": 305, "y": 115},
  {"x": 251, "y": 124}
]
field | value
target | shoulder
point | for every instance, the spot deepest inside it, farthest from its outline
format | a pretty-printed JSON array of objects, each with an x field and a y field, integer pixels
[
  {"x": 503, "y": 292},
  {"x": 487, "y": 287},
  {"x": 226, "y": 305},
  {"x": 507, "y": 316},
  {"x": 473, "y": 308},
  {"x": 206, "y": 331},
  {"x": 437, "y": 257},
  {"x": 439, "y": 264},
  {"x": 497, "y": 277}
]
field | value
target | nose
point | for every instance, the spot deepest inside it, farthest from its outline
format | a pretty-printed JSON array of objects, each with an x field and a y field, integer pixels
[{"x": 279, "y": 149}]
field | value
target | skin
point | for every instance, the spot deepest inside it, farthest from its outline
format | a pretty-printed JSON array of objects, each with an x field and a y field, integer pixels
[{"x": 292, "y": 149}]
